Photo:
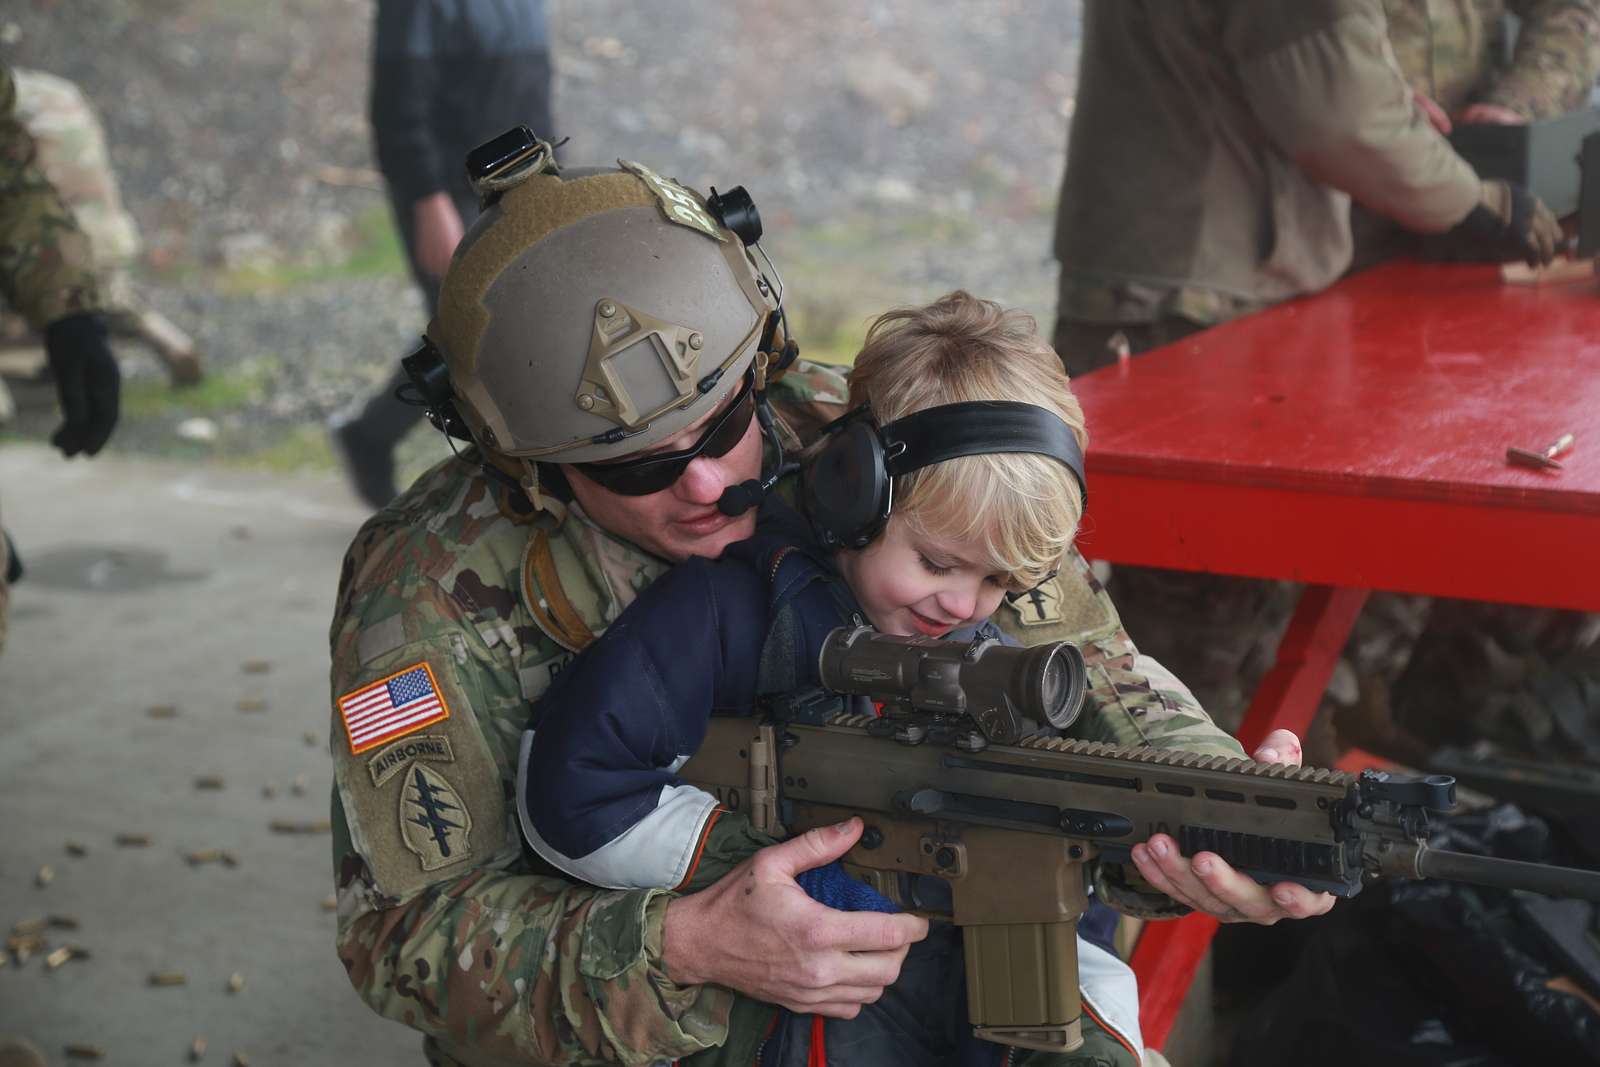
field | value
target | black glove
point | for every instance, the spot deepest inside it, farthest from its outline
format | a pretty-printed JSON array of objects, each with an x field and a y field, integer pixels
[
  {"x": 1508, "y": 222},
  {"x": 88, "y": 380}
]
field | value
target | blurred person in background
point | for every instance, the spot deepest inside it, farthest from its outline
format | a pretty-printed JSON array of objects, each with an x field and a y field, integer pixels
[
  {"x": 47, "y": 276},
  {"x": 1465, "y": 65},
  {"x": 447, "y": 75},
  {"x": 72, "y": 155},
  {"x": 1214, "y": 154}
]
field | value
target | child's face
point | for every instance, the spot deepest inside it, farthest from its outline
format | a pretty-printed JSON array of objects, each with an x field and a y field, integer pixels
[{"x": 909, "y": 583}]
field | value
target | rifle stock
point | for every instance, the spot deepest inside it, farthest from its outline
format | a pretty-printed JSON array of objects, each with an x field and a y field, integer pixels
[{"x": 1010, "y": 827}]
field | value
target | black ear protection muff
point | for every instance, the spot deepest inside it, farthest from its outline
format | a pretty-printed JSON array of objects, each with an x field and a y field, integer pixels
[
  {"x": 429, "y": 388},
  {"x": 848, "y": 488}
]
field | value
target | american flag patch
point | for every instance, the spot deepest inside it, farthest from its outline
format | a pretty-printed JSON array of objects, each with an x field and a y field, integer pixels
[{"x": 392, "y": 707}]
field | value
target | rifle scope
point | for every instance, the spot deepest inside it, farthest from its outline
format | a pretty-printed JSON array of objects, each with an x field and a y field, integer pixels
[{"x": 998, "y": 685}]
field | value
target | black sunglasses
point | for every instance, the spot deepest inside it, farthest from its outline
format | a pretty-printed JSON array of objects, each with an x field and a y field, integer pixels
[{"x": 651, "y": 474}]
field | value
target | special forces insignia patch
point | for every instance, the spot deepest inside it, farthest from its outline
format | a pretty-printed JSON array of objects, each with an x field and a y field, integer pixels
[
  {"x": 434, "y": 822},
  {"x": 1039, "y": 606}
]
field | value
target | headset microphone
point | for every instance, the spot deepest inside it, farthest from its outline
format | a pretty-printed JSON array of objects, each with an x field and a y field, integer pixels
[{"x": 738, "y": 499}]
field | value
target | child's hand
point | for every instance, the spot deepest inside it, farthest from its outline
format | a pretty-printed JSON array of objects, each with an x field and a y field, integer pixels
[{"x": 1205, "y": 882}]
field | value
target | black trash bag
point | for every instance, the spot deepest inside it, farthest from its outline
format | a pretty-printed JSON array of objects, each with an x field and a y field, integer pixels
[{"x": 1423, "y": 974}]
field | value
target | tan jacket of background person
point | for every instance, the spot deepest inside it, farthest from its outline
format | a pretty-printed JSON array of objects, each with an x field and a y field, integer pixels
[{"x": 1216, "y": 145}]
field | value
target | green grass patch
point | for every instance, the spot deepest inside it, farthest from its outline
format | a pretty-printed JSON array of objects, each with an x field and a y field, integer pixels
[
  {"x": 218, "y": 392},
  {"x": 302, "y": 448},
  {"x": 374, "y": 251}
]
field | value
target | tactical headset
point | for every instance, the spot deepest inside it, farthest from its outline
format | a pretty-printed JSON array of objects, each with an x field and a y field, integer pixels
[{"x": 848, "y": 488}]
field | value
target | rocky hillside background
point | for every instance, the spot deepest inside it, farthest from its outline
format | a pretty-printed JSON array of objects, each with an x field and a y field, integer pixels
[{"x": 896, "y": 150}]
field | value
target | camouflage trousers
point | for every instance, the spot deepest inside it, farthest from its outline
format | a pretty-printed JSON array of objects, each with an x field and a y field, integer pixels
[{"x": 1416, "y": 672}]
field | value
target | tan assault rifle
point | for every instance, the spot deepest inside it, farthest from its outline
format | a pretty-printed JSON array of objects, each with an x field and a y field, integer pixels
[{"x": 956, "y": 779}]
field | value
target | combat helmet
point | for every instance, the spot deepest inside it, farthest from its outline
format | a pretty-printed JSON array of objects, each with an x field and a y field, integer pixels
[{"x": 590, "y": 314}]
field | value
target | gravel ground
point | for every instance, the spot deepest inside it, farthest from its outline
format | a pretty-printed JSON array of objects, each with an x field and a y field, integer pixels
[{"x": 896, "y": 150}]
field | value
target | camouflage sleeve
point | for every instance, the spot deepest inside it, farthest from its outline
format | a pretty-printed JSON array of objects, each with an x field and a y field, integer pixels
[
  {"x": 1556, "y": 61},
  {"x": 442, "y": 925},
  {"x": 806, "y": 397},
  {"x": 1132, "y": 700},
  {"x": 46, "y": 266}
]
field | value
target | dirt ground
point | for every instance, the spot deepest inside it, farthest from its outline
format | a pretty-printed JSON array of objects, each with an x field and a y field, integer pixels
[{"x": 171, "y": 629}]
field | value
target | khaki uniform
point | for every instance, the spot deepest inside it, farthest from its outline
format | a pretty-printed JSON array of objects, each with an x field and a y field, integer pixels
[
  {"x": 46, "y": 267},
  {"x": 445, "y": 923},
  {"x": 1214, "y": 152}
]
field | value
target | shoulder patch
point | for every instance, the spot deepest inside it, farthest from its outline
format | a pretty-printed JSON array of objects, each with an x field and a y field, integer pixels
[
  {"x": 396, "y": 705},
  {"x": 1039, "y": 606},
  {"x": 434, "y": 820}
]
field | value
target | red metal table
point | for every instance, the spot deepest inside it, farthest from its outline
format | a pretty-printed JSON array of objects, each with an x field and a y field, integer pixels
[{"x": 1354, "y": 440}]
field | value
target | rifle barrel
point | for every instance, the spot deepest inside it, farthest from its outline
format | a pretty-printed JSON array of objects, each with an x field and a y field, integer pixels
[{"x": 1509, "y": 874}]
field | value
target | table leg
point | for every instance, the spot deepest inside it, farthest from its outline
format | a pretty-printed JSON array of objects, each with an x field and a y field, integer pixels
[{"x": 1168, "y": 953}]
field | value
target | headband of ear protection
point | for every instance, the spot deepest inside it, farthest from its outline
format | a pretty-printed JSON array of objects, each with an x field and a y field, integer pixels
[{"x": 848, "y": 489}]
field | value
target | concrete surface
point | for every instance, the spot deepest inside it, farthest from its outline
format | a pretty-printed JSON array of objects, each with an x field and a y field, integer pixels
[{"x": 152, "y": 584}]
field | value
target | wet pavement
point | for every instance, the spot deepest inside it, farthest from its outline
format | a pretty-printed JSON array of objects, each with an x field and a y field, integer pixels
[{"x": 165, "y": 679}]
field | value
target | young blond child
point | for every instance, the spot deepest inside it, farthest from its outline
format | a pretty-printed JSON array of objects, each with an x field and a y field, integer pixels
[{"x": 955, "y": 482}]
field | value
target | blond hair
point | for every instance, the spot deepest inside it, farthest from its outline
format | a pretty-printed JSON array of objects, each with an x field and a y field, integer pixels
[{"x": 1022, "y": 507}]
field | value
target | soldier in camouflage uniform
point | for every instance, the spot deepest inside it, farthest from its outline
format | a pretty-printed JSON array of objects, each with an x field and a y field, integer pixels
[
  {"x": 72, "y": 154},
  {"x": 459, "y": 602},
  {"x": 1454, "y": 53},
  {"x": 46, "y": 274}
]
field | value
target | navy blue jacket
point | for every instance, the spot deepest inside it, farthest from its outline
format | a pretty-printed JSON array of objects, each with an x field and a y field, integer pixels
[{"x": 599, "y": 795}]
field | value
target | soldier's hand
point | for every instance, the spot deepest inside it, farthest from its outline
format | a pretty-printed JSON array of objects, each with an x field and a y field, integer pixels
[
  {"x": 1508, "y": 222},
  {"x": 1492, "y": 115},
  {"x": 757, "y": 932},
  {"x": 438, "y": 229},
  {"x": 1205, "y": 882},
  {"x": 87, "y": 380},
  {"x": 1434, "y": 113}
]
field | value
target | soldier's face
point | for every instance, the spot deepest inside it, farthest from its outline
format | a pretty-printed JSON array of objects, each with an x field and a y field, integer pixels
[{"x": 681, "y": 520}]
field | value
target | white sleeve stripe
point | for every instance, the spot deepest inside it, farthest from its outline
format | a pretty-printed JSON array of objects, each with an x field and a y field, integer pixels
[
  {"x": 657, "y": 852},
  {"x": 1109, "y": 987}
]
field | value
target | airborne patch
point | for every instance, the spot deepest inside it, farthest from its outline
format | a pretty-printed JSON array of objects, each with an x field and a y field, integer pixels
[
  {"x": 1039, "y": 606},
  {"x": 392, "y": 760},
  {"x": 434, "y": 822}
]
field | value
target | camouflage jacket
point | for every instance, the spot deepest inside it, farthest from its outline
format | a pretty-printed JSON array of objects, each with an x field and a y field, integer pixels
[
  {"x": 1455, "y": 52},
  {"x": 457, "y": 608},
  {"x": 46, "y": 266}
]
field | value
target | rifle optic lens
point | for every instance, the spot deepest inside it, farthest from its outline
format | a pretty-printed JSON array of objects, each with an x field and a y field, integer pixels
[{"x": 1062, "y": 685}]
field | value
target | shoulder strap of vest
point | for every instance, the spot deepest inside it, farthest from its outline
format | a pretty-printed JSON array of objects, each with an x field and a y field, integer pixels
[{"x": 547, "y": 601}]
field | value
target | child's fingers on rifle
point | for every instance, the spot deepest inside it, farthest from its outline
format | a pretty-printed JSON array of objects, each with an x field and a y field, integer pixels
[
  {"x": 1205, "y": 883},
  {"x": 1153, "y": 865},
  {"x": 1298, "y": 902},
  {"x": 1280, "y": 746},
  {"x": 1211, "y": 886}
]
